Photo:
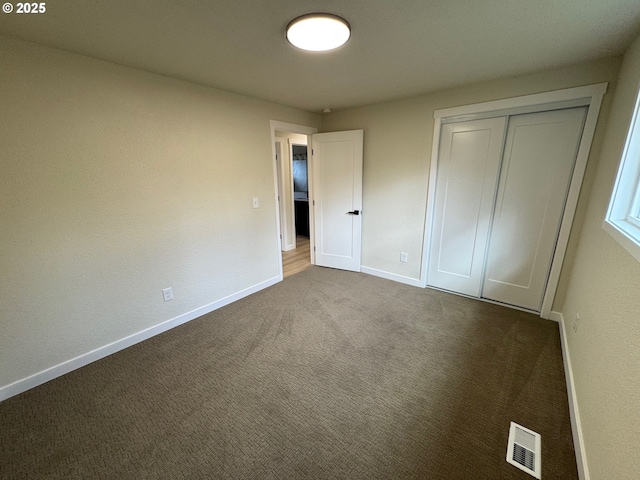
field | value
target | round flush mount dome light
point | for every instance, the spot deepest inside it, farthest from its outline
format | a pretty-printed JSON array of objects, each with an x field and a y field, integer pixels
[{"x": 318, "y": 32}]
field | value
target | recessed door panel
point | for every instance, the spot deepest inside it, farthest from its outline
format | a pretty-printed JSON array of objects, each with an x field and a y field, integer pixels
[
  {"x": 539, "y": 155},
  {"x": 465, "y": 188}
]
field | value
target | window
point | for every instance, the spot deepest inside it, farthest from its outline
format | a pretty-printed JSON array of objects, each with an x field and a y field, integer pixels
[{"x": 623, "y": 217}]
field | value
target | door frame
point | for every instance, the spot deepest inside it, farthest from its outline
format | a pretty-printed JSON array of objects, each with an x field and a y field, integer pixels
[
  {"x": 589, "y": 96},
  {"x": 280, "y": 191},
  {"x": 303, "y": 130}
]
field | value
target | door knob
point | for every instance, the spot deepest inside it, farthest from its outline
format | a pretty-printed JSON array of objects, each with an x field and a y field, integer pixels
[{"x": 354, "y": 212}]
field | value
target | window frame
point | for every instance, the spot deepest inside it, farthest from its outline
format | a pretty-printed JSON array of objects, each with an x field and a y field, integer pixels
[{"x": 622, "y": 221}]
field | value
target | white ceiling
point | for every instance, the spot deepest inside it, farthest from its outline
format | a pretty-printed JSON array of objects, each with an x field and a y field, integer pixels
[{"x": 398, "y": 48}]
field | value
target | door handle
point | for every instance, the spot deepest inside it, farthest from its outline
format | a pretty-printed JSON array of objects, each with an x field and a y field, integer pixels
[{"x": 354, "y": 212}]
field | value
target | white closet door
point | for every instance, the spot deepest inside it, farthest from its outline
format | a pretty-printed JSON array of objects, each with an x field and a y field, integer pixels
[
  {"x": 465, "y": 191},
  {"x": 539, "y": 156}
]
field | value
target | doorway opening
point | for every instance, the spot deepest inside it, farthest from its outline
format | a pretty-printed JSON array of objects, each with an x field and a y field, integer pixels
[
  {"x": 298, "y": 259},
  {"x": 300, "y": 190},
  {"x": 328, "y": 189},
  {"x": 292, "y": 174}
]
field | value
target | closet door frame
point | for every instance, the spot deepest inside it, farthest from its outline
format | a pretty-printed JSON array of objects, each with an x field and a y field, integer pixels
[{"x": 589, "y": 96}]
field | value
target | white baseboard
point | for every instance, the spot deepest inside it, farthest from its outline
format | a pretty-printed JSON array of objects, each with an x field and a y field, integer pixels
[
  {"x": 555, "y": 316},
  {"x": 576, "y": 426},
  {"x": 391, "y": 276},
  {"x": 55, "y": 371}
]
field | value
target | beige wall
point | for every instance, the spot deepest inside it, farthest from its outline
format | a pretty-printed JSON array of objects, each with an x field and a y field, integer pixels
[
  {"x": 397, "y": 152},
  {"x": 604, "y": 288},
  {"x": 116, "y": 184}
]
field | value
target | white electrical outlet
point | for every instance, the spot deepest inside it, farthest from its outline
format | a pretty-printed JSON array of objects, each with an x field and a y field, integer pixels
[
  {"x": 167, "y": 294},
  {"x": 576, "y": 320},
  {"x": 256, "y": 204},
  {"x": 403, "y": 257}
]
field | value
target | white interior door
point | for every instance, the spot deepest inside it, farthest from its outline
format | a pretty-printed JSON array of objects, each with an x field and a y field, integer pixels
[
  {"x": 539, "y": 156},
  {"x": 467, "y": 178},
  {"x": 337, "y": 198}
]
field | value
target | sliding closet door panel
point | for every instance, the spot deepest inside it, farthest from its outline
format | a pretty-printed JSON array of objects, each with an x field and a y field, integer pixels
[
  {"x": 466, "y": 181},
  {"x": 539, "y": 155}
]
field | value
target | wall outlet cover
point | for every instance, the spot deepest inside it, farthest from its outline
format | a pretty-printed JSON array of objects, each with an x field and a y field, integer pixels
[{"x": 167, "y": 294}]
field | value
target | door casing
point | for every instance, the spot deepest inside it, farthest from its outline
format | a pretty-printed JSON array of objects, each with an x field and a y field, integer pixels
[{"x": 282, "y": 226}]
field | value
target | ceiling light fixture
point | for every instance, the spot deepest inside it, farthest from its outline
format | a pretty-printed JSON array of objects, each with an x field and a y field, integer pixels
[{"x": 318, "y": 32}]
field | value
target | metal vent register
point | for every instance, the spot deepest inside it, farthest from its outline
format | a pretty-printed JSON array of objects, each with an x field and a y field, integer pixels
[{"x": 523, "y": 450}]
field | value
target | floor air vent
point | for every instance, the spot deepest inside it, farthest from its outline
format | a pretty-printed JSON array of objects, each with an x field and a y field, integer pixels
[{"x": 523, "y": 450}]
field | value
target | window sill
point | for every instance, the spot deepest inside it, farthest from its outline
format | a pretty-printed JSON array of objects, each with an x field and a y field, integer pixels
[{"x": 626, "y": 234}]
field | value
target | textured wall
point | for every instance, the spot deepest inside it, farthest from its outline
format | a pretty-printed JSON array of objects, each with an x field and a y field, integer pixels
[
  {"x": 604, "y": 288},
  {"x": 116, "y": 184},
  {"x": 397, "y": 151}
]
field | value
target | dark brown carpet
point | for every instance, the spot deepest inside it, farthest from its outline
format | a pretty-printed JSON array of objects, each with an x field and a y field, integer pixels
[{"x": 327, "y": 375}]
